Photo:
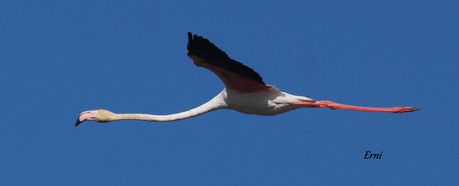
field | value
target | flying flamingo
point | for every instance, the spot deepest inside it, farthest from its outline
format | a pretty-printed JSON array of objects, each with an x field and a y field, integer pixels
[{"x": 245, "y": 91}]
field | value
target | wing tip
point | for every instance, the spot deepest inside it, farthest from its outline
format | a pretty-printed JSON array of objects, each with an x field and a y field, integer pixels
[{"x": 190, "y": 36}]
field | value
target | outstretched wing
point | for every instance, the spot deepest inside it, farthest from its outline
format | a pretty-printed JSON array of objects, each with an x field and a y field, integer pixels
[{"x": 234, "y": 75}]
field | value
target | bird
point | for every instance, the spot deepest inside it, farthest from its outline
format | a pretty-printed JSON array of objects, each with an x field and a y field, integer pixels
[{"x": 245, "y": 91}]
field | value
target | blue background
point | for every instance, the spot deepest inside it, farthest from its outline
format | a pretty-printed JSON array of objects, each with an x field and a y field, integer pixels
[{"x": 58, "y": 59}]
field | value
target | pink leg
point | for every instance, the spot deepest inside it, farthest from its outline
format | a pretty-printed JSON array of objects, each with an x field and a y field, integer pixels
[{"x": 333, "y": 105}]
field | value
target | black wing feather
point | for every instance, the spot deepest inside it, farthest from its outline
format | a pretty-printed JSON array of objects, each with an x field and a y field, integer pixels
[{"x": 211, "y": 54}]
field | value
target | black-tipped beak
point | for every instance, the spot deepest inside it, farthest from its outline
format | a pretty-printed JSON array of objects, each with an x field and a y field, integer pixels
[{"x": 78, "y": 122}]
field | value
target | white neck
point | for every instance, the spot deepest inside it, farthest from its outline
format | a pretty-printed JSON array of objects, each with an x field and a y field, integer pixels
[{"x": 215, "y": 103}]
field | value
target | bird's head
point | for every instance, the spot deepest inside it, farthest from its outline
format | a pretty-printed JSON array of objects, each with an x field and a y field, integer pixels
[{"x": 100, "y": 115}]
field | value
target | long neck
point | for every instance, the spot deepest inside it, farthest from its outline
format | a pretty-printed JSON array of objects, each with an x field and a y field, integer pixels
[{"x": 216, "y": 103}]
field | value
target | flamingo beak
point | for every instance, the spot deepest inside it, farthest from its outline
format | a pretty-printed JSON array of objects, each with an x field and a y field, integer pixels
[
  {"x": 86, "y": 116},
  {"x": 78, "y": 122}
]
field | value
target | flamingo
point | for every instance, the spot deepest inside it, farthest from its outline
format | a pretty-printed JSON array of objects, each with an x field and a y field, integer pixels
[{"x": 244, "y": 91}]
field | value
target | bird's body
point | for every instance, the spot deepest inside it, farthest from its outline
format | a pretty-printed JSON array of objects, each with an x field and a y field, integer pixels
[
  {"x": 268, "y": 103},
  {"x": 245, "y": 91}
]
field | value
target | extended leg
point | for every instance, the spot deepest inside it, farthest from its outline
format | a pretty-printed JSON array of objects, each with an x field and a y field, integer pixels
[{"x": 333, "y": 105}]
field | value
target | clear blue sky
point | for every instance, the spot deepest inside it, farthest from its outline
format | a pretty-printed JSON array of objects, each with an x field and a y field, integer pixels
[{"x": 58, "y": 59}]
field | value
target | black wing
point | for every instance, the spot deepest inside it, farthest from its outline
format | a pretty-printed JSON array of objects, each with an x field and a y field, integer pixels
[{"x": 212, "y": 55}]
